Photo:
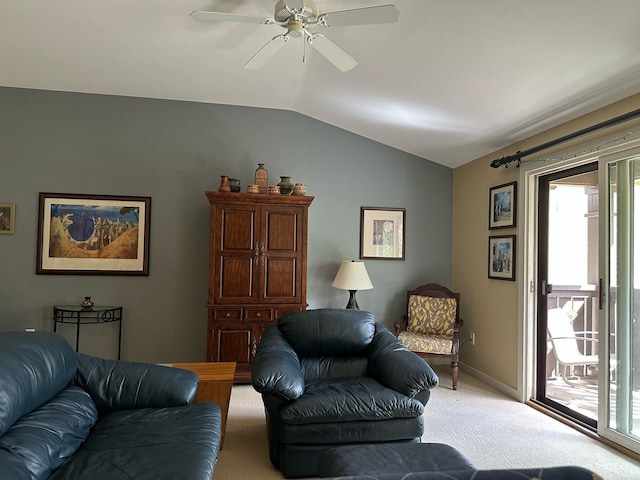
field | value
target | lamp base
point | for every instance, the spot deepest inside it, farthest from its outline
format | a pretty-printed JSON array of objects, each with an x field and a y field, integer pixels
[{"x": 353, "y": 304}]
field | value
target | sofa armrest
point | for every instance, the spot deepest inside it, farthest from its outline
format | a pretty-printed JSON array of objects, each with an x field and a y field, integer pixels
[
  {"x": 121, "y": 385},
  {"x": 275, "y": 368},
  {"x": 394, "y": 366}
]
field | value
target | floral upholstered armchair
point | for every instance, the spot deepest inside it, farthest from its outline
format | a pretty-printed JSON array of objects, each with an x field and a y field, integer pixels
[{"x": 431, "y": 326}]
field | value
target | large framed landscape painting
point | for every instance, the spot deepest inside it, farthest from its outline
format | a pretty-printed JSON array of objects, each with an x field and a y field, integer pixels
[{"x": 93, "y": 234}]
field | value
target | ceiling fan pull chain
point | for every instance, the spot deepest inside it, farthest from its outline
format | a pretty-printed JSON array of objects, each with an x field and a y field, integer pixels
[{"x": 304, "y": 51}]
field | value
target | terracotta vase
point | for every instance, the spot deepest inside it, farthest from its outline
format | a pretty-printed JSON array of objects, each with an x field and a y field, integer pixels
[
  {"x": 224, "y": 184},
  {"x": 262, "y": 178}
]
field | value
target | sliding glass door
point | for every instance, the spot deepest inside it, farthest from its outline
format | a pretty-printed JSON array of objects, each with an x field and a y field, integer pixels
[
  {"x": 619, "y": 414},
  {"x": 567, "y": 324}
]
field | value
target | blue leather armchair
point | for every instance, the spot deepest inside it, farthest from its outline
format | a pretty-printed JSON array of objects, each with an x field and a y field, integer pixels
[{"x": 332, "y": 377}]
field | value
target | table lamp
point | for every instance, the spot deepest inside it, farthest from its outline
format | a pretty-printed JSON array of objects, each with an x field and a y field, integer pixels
[{"x": 352, "y": 276}]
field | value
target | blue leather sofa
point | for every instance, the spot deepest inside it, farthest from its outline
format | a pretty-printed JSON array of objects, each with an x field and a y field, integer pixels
[
  {"x": 333, "y": 377},
  {"x": 65, "y": 415}
]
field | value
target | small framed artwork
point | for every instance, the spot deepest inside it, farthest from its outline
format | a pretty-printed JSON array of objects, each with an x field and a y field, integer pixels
[
  {"x": 382, "y": 233},
  {"x": 93, "y": 234},
  {"x": 7, "y": 218},
  {"x": 502, "y": 256},
  {"x": 502, "y": 206}
]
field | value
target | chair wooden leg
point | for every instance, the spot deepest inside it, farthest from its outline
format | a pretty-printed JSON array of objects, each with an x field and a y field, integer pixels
[{"x": 454, "y": 374}]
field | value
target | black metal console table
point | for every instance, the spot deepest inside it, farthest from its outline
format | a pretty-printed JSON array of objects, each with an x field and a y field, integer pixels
[{"x": 81, "y": 315}]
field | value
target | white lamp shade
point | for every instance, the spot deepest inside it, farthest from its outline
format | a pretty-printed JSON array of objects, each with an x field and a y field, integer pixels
[{"x": 352, "y": 275}]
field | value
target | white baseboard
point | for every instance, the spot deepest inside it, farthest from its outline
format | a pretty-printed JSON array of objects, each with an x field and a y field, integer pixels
[{"x": 492, "y": 382}]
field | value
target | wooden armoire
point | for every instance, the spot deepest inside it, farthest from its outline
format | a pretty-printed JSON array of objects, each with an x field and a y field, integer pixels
[{"x": 257, "y": 270}]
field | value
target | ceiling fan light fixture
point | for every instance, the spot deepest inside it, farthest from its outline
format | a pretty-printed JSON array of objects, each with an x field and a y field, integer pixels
[{"x": 295, "y": 28}]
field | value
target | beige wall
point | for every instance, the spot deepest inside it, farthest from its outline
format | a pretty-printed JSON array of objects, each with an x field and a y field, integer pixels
[{"x": 490, "y": 307}]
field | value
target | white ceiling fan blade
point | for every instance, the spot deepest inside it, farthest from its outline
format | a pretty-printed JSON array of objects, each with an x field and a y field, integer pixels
[
  {"x": 361, "y": 16},
  {"x": 228, "y": 17},
  {"x": 263, "y": 55},
  {"x": 341, "y": 59}
]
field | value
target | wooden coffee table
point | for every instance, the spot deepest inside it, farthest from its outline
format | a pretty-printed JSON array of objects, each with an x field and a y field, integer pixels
[{"x": 216, "y": 380}]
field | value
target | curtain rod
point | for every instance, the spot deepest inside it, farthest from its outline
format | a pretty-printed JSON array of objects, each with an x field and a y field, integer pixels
[{"x": 498, "y": 162}]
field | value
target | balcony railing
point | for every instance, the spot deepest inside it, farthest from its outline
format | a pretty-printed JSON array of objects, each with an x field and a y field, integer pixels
[{"x": 583, "y": 300}]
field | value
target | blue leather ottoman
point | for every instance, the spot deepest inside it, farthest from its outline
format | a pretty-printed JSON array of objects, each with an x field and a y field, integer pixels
[{"x": 381, "y": 458}]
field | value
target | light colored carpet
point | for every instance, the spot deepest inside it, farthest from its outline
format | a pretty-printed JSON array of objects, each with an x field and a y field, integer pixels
[{"x": 491, "y": 429}]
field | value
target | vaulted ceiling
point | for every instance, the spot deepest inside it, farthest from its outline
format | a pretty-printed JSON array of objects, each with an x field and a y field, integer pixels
[{"x": 452, "y": 80}]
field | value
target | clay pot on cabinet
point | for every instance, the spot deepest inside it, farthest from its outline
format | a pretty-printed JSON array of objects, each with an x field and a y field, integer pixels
[
  {"x": 234, "y": 183},
  {"x": 286, "y": 187},
  {"x": 224, "y": 184},
  {"x": 299, "y": 189},
  {"x": 262, "y": 178}
]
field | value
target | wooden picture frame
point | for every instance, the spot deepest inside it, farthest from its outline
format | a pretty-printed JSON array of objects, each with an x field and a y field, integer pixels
[
  {"x": 502, "y": 257},
  {"x": 93, "y": 234},
  {"x": 382, "y": 233},
  {"x": 7, "y": 218},
  {"x": 502, "y": 206}
]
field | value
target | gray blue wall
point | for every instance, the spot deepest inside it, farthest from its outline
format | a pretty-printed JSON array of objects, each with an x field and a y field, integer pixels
[{"x": 173, "y": 151}]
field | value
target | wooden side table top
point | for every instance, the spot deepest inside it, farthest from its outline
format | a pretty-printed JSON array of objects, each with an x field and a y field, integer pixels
[{"x": 210, "y": 370}]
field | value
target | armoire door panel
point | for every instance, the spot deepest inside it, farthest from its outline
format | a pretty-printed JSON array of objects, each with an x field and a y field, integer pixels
[
  {"x": 281, "y": 275},
  {"x": 236, "y": 277},
  {"x": 234, "y": 345},
  {"x": 238, "y": 229},
  {"x": 282, "y": 230}
]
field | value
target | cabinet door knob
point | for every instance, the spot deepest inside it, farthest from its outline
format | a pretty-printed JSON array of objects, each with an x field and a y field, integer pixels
[
  {"x": 228, "y": 314},
  {"x": 256, "y": 253},
  {"x": 258, "y": 314}
]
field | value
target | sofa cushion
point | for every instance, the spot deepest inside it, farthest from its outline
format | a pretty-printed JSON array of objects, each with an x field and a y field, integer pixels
[
  {"x": 364, "y": 431},
  {"x": 33, "y": 368},
  {"x": 45, "y": 437},
  {"x": 314, "y": 368},
  {"x": 328, "y": 332},
  {"x": 348, "y": 400},
  {"x": 173, "y": 443}
]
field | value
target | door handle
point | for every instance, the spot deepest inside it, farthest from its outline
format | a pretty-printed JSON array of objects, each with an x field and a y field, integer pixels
[
  {"x": 600, "y": 294},
  {"x": 546, "y": 287}
]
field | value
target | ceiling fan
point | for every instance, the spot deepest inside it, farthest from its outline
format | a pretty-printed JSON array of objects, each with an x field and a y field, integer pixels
[{"x": 298, "y": 17}]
